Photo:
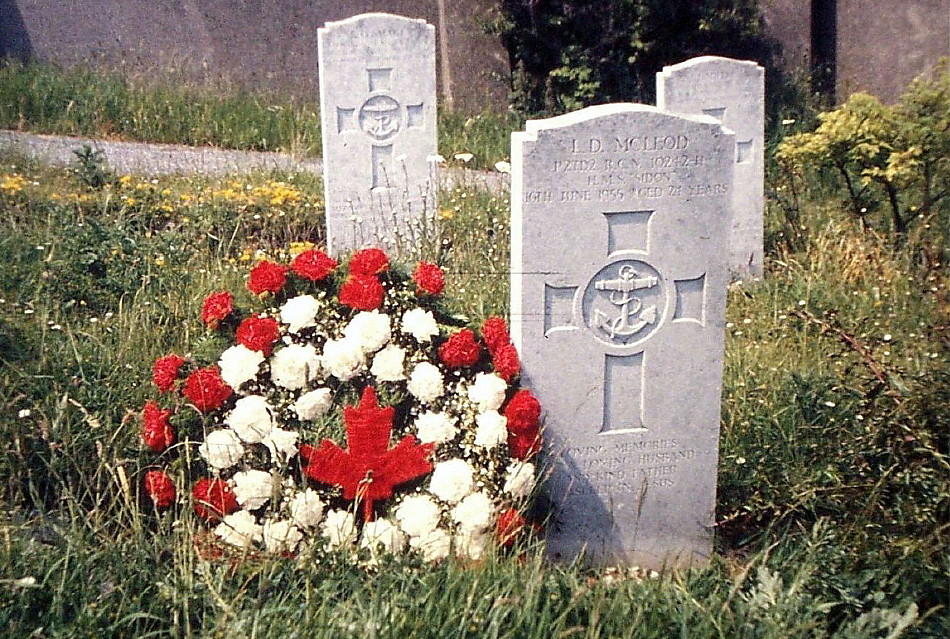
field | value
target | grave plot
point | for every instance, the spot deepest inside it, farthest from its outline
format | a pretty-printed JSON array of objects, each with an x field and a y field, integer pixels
[
  {"x": 620, "y": 222},
  {"x": 378, "y": 114}
]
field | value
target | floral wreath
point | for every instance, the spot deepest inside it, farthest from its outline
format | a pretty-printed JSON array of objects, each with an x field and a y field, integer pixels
[{"x": 438, "y": 437}]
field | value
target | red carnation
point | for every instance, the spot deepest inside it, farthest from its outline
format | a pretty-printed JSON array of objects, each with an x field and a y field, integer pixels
[
  {"x": 258, "y": 333},
  {"x": 510, "y": 524},
  {"x": 165, "y": 371},
  {"x": 362, "y": 292},
  {"x": 506, "y": 362},
  {"x": 523, "y": 413},
  {"x": 371, "y": 261},
  {"x": 267, "y": 277},
  {"x": 460, "y": 350},
  {"x": 213, "y": 499},
  {"x": 216, "y": 308},
  {"x": 157, "y": 433},
  {"x": 160, "y": 488},
  {"x": 429, "y": 279},
  {"x": 524, "y": 444},
  {"x": 495, "y": 333},
  {"x": 313, "y": 265},
  {"x": 206, "y": 390}
]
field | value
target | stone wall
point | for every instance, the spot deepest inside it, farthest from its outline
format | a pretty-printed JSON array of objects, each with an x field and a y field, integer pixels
[{"x": 249, "y": 43}]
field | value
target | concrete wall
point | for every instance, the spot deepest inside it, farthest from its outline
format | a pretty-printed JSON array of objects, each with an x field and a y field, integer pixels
[
  {"x": 884, "y": 44},
  {"x": 880, "y": 46},
  {"x": 253, "y": 43}
]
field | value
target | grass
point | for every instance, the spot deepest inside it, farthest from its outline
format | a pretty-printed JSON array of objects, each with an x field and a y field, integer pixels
[
  {"x": 46, "y": 99},
  {"x": 833, "y": 487}
]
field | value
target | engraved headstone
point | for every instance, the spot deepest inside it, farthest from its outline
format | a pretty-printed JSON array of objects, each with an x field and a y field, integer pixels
[
  {"x": 732, "y": 91},
  {"x": 378, "y": 114},
  {"x": 619, "y": 225}
]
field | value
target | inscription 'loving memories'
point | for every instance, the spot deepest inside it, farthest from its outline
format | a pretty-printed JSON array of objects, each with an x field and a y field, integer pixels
[{"x": 627, "y": 466}]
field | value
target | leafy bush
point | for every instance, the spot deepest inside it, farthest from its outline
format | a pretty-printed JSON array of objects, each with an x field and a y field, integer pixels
[
  {"x": 566, "y": 54},
  {"x": 896, "y": 154}
]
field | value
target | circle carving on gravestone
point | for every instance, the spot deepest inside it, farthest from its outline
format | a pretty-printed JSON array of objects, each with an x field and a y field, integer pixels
[
  {"x": 624, "y": 302},
  {"x": 380, "y": 118}
]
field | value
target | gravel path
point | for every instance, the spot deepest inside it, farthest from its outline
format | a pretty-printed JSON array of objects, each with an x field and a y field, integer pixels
[{"x": 142, "y": 158}]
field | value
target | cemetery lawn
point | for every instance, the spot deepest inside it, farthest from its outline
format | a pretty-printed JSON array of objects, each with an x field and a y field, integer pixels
[
  {"x": 46, "y": 99},
  {"x": 833, "y": 486}
]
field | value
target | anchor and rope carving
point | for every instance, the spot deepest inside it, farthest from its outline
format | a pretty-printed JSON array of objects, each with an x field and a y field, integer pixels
[{"x": 632, "y": 317}]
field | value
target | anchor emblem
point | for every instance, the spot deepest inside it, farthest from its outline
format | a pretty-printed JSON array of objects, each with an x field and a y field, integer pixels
[{"x": 632, "y": 317}]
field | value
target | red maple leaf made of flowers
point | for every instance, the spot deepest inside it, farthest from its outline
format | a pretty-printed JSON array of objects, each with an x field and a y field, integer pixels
[{"x": 369, "y": 469}]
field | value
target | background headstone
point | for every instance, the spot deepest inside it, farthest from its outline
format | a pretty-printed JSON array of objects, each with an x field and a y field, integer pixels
[
  {"x": 619, "y": 221},
  {"x": 732, "y": 91},
  {"x": 378, "y": 114}
]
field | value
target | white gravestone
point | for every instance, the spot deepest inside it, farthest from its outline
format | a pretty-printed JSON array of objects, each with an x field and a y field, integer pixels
[
  {"x": 619, "y": 221},
  {"x": 378, "y": 114},
  {"x": 732, "y": 91}
]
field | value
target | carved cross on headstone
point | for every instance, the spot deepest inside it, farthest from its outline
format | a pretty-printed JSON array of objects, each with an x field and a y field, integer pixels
[
  {"x": 380, "y": 118},
  {"x": 620, "y": 306}
]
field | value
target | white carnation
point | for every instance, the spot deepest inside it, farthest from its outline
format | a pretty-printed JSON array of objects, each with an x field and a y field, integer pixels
[
  {"x": 434, "y": 545},
  {"x": 370, "y": 329},
  {"x": 239, "y": 529},
  {"x": 281, "y": 443},
  {"x": 451, "y": 480},
  {"x": 472, "y": 545},
  {"x": 281, "y": 536},
  {"x": 239, "y": 364},
  {"x": 313, "y": 404},
  {"x": 435, "y": 428},
  {"x": 475, "y": 513},
  {"x": 388, "y": 364},
  {"x": 299, "y": 312},
  {"x": 420, "y": 324},
  {"x": 339, "y": 527},
  {"x": 418, "y": 515},
  {"x": 253, "y": 488},
  {"x": 306, "y": 509},
  {"x": 488, "y": 391},
  {"x": 519, "y": 481},
  {"x": 491, "y": 429},
  {"x": 295, "y": 366},
  {"x": 382, "y": 534},
  {"x": 251, "y": 419},
  {"x": 221, "y": 449},
  {"x": 342, "y": 358},
  {"x": 425, "y": 382}
]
